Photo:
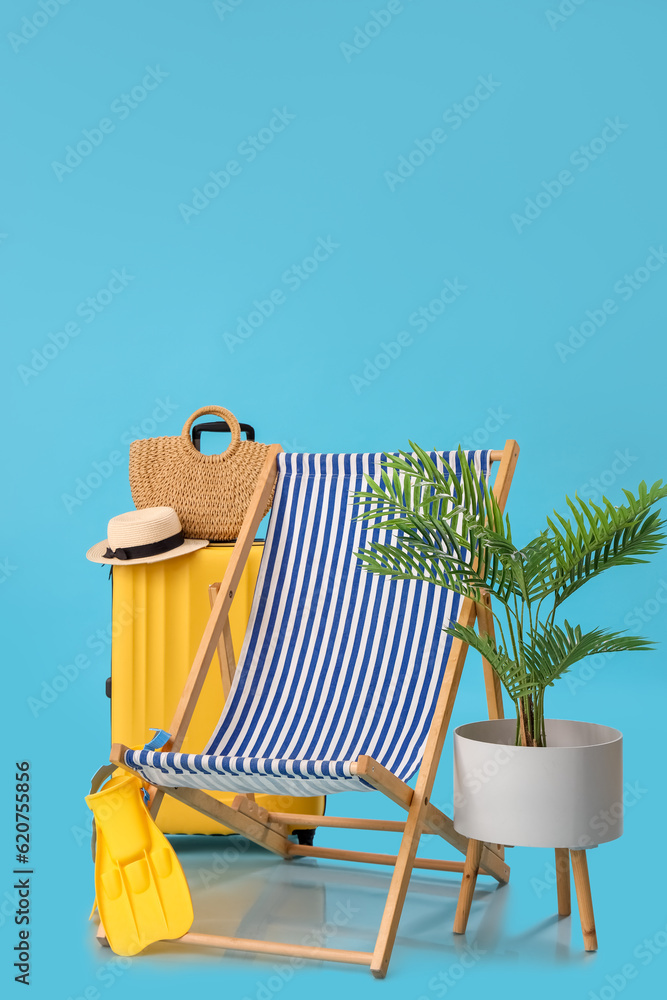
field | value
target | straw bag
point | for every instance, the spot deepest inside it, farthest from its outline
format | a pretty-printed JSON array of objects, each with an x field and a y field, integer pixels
[{"x": 210, "y": 493}]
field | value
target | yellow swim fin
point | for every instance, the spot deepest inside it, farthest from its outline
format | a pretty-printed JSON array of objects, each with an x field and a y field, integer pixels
[{"x": 142, "y": 893}]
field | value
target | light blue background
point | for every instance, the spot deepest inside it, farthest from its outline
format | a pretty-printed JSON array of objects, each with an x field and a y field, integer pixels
[{"x": 488, "y": 363}]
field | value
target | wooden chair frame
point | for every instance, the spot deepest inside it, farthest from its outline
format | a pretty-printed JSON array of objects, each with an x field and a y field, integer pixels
[{"x": 270, "y": 829}]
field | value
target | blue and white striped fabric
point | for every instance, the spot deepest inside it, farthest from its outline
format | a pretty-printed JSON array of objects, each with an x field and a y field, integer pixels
[{"x": 336, "y": 662}]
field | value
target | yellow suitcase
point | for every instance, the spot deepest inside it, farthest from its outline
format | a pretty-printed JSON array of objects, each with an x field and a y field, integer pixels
[{"x": 158, "y": 615}]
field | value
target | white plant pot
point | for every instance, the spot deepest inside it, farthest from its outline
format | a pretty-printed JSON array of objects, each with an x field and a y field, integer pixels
[{"x": 567, "y": 794}]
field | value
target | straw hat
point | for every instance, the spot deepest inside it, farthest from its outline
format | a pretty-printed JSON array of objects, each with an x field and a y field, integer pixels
[{"x": 143, "y": 536}]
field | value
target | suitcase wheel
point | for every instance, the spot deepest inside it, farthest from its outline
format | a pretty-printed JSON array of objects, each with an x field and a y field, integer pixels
[{"x": 305, "y": 837}]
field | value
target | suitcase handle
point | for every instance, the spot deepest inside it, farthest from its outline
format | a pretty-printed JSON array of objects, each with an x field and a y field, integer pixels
[{"x": 218, "y": 425}]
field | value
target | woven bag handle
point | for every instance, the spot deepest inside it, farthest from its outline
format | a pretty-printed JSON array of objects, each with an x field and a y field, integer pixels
[{"x": 234, "y": 427}]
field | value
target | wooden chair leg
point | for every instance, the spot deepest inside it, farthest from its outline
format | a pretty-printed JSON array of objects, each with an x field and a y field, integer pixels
[
  {"x": 470, "y": 871},
  {"x": 398, "y": 888},
  {"x": 582, "y": 885},
  {"x": 563, "y": 881}
]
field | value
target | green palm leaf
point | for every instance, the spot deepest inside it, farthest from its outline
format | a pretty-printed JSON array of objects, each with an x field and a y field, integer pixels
[
  {"x": 550, "y": 650},
  {"x": 596, "y": 538},
  {"x": 450, "y": 518}
]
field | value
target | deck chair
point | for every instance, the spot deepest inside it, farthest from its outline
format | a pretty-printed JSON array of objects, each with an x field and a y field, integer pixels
[{"x": 346, "y": 681}]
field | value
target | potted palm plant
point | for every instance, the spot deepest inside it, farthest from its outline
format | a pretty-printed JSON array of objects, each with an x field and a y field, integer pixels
[{"x": 532, "y": 781}]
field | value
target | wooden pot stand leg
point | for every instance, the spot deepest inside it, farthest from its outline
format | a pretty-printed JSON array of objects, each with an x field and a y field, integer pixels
[
  {"x": 583, "y": 889},
  {"x": 563, "y": 881},
  {"x": 582, "y": 885},
  {"x": 563, "y": 855},
  {"x": 466, "y": 892}
]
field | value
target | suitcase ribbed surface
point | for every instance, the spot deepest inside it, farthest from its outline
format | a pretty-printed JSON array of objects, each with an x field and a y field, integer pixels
[{"x": 159, "y": 614}]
